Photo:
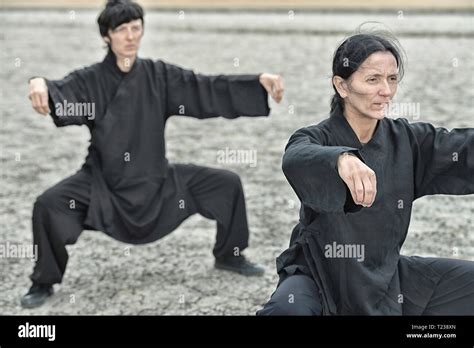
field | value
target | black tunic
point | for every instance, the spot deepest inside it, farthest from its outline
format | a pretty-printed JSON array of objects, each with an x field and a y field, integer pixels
[
  {"x": 410, "y": 161},
  {"x": 132, "y": 197}
]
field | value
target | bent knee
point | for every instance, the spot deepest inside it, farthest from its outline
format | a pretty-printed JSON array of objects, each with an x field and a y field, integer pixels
[
  {"x": 296, "y": 295},
  {"x": 51, "y": 199},
  {"x": 231, "y": 177},
  {"x": 289, "y": 308},
  {"x": 46, "y": 200},
  {"x": 228, "y": 179}
]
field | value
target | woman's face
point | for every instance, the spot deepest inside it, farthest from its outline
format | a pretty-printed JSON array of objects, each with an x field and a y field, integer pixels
[
  {"x": 125, "y": 39},
  {"x": 370, "y": 88}
]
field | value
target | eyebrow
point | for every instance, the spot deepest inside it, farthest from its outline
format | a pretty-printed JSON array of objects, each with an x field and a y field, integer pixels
[
  {"x": 378, "y": 75},
  {"x": 123, "y": 25}
]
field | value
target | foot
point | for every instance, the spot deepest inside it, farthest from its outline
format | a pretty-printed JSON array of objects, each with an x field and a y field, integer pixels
[
  {"x": 37, "y": 295},
  {"x": 239, "y": 264}
]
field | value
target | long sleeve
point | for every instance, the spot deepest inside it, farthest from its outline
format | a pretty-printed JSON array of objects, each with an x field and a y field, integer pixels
[
  {"x": 311, "y": 169},
  {"x": 443, "y": 160},
  {"x": 201, "y": 96},
  {"x": 65, "y": 93}
]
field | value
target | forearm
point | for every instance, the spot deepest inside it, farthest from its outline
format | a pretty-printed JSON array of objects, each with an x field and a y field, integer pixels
[
  {"x": 246, "y": 95},
  {"x": 204, "y": 96},
  {"x": 62, "y": 94},
  {"x": 311, "y": 170},
  {"x": 443, "y": 161}
]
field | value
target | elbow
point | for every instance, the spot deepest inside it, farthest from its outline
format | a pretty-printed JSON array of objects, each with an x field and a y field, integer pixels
[{"x": 288, "y": 163}]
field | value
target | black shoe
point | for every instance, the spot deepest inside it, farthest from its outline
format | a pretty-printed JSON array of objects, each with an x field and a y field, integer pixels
[
  {"x": 239, "y": 264},
  {"x": 37, "y": 295}
]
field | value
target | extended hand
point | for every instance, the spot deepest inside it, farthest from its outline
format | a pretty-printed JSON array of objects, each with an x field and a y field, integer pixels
[
  {"x": 273, "y": 84},
  {"x": 38, "y": 94},
  {"x": 360, "y": 179}
]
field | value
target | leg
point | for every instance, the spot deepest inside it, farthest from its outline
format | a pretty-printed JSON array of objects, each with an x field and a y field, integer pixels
[
  {"x": 296, "y": 295},
  {"x": 454, "y": 294},
  {"x": 58, "y": 216},
  {"x": 218, "y": 195}
]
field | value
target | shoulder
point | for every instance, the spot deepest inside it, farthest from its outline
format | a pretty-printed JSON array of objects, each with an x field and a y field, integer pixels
[
  {"x": 89, "y": 70},
  {"x": 413, "y": 133},
  {"x": 86, "y": 73},
  {"x": 147, "y": 62},
  {"x": 396, "y": 122},
  {"x": 161, "y": 64},
  {"x": 158, "y": 66},
  {"x": 320, "y": 131},
  {"x": 403, "y": 125}
]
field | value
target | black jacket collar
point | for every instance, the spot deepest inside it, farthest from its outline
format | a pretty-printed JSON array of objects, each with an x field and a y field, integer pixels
[
  {"x": 110, "y": 61},
  {"x": 346, "y": 135}
]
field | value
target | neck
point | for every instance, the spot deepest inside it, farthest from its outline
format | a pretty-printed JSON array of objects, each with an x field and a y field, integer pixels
[
  {"x": 125, "y": 63},
  {"x": 363, "y": 127}
]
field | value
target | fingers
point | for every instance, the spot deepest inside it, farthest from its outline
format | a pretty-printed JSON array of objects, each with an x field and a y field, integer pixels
[
  {"x": 39, "y": 101},
  {"x": 373, "y": 180},
  {"x": 360, "y": 179},
  {"x": 38, "y": 94},
  {"x": 365, "y": 189},
  {"x": 369, "y": 192},
  {"x": 351, "y": 185},
  {"x": 274, "y": 85},
  {"x": 358, "y": 190},
  {"x": 36, "y": 102},
  {"x": 44, "y": 103},
  {"x": 278, "y": 89}
]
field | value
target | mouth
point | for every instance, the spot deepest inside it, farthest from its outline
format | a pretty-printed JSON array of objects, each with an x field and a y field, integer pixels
[{"x": 380, "y": 106}]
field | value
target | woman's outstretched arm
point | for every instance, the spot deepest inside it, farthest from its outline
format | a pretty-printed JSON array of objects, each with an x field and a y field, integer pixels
[
  {"x": 443, "y": 160},
  {"x": 323, "y": 178}
]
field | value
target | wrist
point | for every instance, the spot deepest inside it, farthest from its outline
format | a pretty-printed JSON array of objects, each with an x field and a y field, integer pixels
[
  {"x": 343, "y": 155},
  {"x": 36, "y": 78},
  {"x": 347, "y": 154}
]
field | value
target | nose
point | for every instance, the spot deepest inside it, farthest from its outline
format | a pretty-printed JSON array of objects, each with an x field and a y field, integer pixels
[
  {"x": 129, "y": 34},
  {"x": 385, "y": 90}
]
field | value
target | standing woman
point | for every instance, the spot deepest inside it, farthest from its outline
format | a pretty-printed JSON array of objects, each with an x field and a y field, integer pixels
[{"x": 357, "y": 174}]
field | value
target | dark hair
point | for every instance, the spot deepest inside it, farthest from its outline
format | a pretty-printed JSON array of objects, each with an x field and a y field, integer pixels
[
  {"x": 352, "y": 52},
  {"x": 117, "y": 12}
]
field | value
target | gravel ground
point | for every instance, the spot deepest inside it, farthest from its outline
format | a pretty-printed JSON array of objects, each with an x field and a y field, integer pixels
[{"x": 175, "y": 275}]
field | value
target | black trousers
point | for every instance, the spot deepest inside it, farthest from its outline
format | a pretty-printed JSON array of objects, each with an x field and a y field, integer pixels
[
  {"x": 453, "y": 295},
  {"x": 216, "y": 193}
]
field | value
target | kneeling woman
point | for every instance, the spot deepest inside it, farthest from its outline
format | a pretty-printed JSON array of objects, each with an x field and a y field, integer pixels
[{"x": 356, "y": 175}]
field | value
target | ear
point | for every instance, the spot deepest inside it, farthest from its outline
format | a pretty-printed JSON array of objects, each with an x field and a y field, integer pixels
[
  {"x": 107, "y": 39},
  {"x": 340, "y": 85}
]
